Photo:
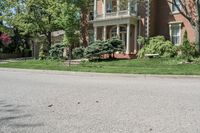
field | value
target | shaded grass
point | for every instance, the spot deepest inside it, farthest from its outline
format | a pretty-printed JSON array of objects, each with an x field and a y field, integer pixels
[{"x": 137, "y": 66}]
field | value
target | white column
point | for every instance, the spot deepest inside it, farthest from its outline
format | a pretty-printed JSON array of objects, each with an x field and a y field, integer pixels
[
  {"x": 136, "y": 8},
  {"x": 118, "y": 31},
  {"x": 180, "y": 33},
  {"x": 135, "y": 39},
  {"x": 129, "y": 7},
  {"x": 104, "y": 8},
  {"x": 95, "y": 9},
  {"x": 104, "y": 33},
  {"x": 128, "y": 39},
  {"x": 95, "y": 33},
  {"x": 170, "y": 31},
  {"x": 118, "y": 7}
]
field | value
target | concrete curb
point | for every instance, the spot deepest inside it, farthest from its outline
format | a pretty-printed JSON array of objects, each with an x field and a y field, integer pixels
[{"x": 97, "y": 74}]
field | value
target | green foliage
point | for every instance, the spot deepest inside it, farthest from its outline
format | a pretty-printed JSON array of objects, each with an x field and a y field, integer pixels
[
  {"x": 116, "y": 44},
  {"x": 56, "y": 51},
  {"x": 78, "y": 52},
  {"x": 93, "y": 50},
  {"x": 42, "y": 53},
  {"x": 98, "y": 48},
  {"x": 158, "y": 45},
  {"x": 188, "y": 50},
  {"x": 68, "y": 20},
  {"x": 141, "y": 41}
]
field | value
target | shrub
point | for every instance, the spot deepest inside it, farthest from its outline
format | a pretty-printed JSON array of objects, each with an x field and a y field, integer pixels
[
  {"x": 78, "y": 52},
  {"x": 116, "y": 44},
  {"x": 93, "y": 50},
  {"x": 42, "y": 53},
  {"x": 5, "y": 39},
  {"x": 5, "y": 43},
  {"x": 187, "y": 49},
  {"x": 98, "y": 48},
  {"x": 56, "y": 51},
  {"x": 157, "y": 45},
  {"x": 141, "y": 41}
]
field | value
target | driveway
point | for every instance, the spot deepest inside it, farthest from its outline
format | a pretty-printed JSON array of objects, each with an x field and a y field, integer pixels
[{"x": 65, "y": 102}]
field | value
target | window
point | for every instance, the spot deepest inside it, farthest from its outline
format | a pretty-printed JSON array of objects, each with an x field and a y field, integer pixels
[
  {"x": 123, "y": 5},
  {"x": 111, "y": 6},
  {"x": 174, "y": 7},
  {"x": 175, "y": 33},
  {"x": 133, "y": 7}
]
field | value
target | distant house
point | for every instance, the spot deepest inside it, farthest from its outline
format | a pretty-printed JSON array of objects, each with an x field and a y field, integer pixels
[{"x": 130, "y": 20}]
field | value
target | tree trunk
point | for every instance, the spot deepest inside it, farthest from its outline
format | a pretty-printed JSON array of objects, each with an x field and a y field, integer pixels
[
  {"x": 84, "y": 26},
  {"x": 17, "y": 38},
  {"x": 198, "y": 41},
  {"x": 70, "y": 56}
]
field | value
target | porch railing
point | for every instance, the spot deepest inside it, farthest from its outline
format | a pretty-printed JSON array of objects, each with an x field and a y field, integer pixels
[{"x": 114, "y": 15}]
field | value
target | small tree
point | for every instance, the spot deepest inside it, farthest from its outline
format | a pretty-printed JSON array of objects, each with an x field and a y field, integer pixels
[{"x": 68, "y": 20}]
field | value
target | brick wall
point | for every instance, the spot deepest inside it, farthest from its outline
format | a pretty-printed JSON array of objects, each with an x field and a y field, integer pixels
[
  {"x": 160, "y": 17},
  {"x": 164, "y": 16}
]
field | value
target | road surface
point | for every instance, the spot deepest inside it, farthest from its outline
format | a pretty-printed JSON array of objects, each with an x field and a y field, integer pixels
[{"x": 63, "y": 102}]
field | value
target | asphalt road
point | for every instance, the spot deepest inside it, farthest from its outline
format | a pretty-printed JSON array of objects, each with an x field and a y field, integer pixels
[{"x": 62, "y": 102}]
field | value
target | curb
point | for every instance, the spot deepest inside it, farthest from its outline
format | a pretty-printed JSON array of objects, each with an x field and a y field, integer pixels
[{"x": 73, "y": 73}]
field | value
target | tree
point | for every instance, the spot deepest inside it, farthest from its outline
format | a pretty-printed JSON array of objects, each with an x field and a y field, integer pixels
[
  {"x": 38, "y": 17},
  {"x": 9, "y": 23},
  {"x": 190, "y": 9},
  {"x": 30, "y": 17},
  {"x": 68, "y": 20},
  {"x": 84, "y": 8},
  {"x": 84, "y": 11}
]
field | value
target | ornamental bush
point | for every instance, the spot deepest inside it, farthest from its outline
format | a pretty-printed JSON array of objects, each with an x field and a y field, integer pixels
[
  {"x": 158, "y": 45},
  {"x": 56, "y": 51},
  {"x": 5, "y": 40},
  {"x": 93, "y": 50},
  {"x": 98, "y": 48},
  {"x": 78, "y": 52}
]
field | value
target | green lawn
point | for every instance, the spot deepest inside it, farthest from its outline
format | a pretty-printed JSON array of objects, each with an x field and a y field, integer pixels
[{"x": 136, "y": 66}]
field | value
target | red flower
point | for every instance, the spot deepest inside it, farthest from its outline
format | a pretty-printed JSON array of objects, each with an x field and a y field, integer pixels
[{"x": 5, "y": 39}]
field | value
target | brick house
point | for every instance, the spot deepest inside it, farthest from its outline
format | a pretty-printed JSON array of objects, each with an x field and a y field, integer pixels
[{"x": 128, "y": 21}]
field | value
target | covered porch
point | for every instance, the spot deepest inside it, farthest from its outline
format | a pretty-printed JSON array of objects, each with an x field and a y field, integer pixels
[{"x": 127, "y": 32}]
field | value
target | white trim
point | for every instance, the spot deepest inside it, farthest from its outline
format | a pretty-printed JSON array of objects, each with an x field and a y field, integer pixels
[
  {"x": 104, "y": 33},
  {"x": 95, "y": 33},
  {"x": 135, "y": 39},
  {"x": 95, "y": 9},
  {"x": 118, "y": 30},
  {"x": 118, "y": 7},
  {"x": 129, "y": 7},
  {"x": 128, "y": 39},
  {"x": 176, "y": 22},
  {"x": 104, "y": 8}
]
